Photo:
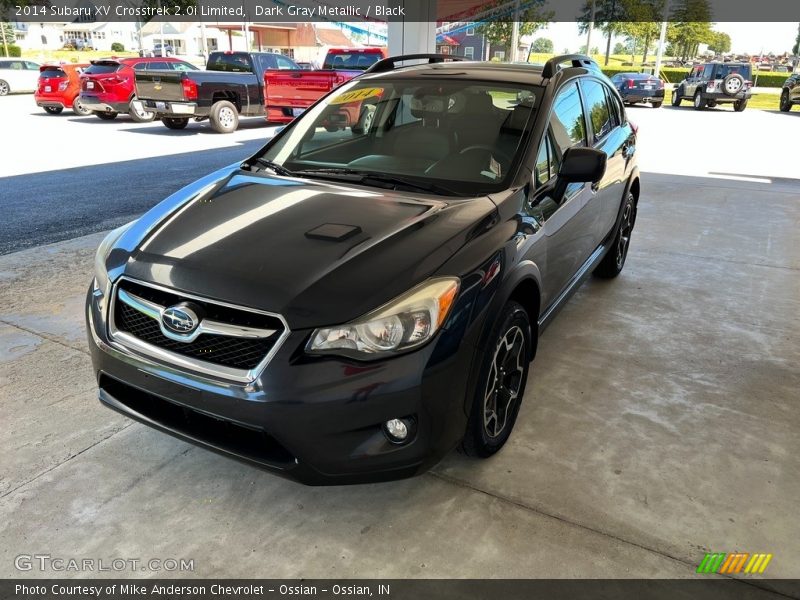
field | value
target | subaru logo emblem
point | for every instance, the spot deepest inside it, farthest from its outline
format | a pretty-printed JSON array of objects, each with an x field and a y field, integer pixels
[{"x": 180, "y": 319}]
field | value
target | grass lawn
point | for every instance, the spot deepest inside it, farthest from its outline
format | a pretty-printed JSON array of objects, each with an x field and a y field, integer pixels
[{"x": 72, "y": 56}]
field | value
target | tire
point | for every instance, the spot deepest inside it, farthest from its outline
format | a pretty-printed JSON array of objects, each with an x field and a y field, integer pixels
[
  {"x": 501, "y": 384},
  {"x": 699, "y": 102},
  {"x": 365, "y": 116},
  {"x": 175, "y": 122},
  {"x": 224, "y": 117},
  {"x": 53, "y": 110},
  {"x": 786, "y": 104},
  {"x": 5, "y": 89},
  {"x": 711, "y": 103},
  {"x": 657, "y": 104},
  {"x": 79, "y": 109},
  {"x": 140, "y": 117},
  {"x": 677, "y": 97},
  {"x": 740, "y": 105},
  {"x": 614, "y": 260},
  {"x": 106, "y": 116},
  {"x": 732, "y": 84}
]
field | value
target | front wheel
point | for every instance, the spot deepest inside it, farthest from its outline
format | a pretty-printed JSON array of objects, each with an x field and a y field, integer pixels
[
  {"x": 224, "y": 117},
  {"x": 740, "y": 105},
  {"x": 175, "y": 122},
  {"x": 498, "y": 393},
  {"x": 106, "y": 116},
  {"x": 79, "y": 109},
  {"x": 53, "y": 110},
  {"x": 614, "y": 260},
  {"x": 699, "y": 102},
  {"x": 676, "y": 97},
  {"x": 786, "y": 104},
  {"x": 140, "y": 116}
]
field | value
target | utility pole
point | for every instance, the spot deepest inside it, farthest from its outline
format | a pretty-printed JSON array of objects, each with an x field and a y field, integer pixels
[
  {"x": 661, "y": 39},
  {"x": 515, "y": 32},
  {"x": 591, "y": 28}
]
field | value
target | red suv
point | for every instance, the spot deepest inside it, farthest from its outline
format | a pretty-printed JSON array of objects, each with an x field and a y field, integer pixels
[
  {"x": 58, "y": 88},
  {"x": 107, "y": 85}
]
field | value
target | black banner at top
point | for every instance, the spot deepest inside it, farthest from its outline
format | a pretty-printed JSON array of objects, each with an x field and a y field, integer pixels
[{"x": 298, "y": 11}]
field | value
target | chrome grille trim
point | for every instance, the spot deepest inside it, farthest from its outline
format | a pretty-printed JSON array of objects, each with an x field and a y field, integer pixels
[{"x": 128, "y": 342}]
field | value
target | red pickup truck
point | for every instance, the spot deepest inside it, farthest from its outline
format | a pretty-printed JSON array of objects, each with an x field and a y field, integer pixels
[{"x": 287, "y": 93}]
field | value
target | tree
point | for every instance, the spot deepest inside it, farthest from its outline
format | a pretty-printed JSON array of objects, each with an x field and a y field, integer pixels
[
  {"x": 7, "y": 36},
  {"x": 497, "y": 29},
  {"x": 608, "y": 17},
  {"x": 720, "y": 42},
  {"x": 542, "y": 46},
  {"x": 796, "y": 47},
  {"x": 620, "y": 48}
]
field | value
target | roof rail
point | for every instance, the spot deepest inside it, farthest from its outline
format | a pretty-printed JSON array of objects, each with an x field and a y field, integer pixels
[
  {"x": 553, "y": 66},
  {"x": 389, "y": 64}
]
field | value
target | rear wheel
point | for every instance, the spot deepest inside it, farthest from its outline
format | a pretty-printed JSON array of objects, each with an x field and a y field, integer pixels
[
  {"x": 53, "y": 110},
  {"x": 498, "y": 394},
  {"x": 614, "y": 260},
  {"x": 365, "y": 116},
  {"x": 4, "y": 87},
  {"x": 711, "y": 103},
  {"x": 79, "y": 109},
  {"x": 740, "y": 105},
  {"x": 175, "y": 122},
  {"x": 699, "y": 102},
  {"x": 786, "y": 104},
  {"x": 106, "y": 116},
  {"x": 140, "y": 116},
  {"x": 657, "y": 104},
  {"x": 224, "y": 117},
  {"x": 677, "y": 97}
]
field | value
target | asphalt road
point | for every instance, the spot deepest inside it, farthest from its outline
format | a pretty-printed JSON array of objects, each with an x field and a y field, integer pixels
[{"x": 68, "y": 176}]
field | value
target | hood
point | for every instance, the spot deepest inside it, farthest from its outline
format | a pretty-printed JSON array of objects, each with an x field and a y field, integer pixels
[{"x": 318, "y": 253}]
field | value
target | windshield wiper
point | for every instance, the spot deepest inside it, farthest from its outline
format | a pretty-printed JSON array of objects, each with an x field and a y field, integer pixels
[
  {"x": 365, "y": 177},
  {"x": 275, "y": 167}
]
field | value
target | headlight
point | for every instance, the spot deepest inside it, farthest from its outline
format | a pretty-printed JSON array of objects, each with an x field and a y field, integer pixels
[
  {"x": 100, "y": 273},
  {"x": 406, "y": 322}
]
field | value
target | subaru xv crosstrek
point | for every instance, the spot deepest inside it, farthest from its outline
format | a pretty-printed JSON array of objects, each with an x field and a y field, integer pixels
[{"x": 350, "y": 306}]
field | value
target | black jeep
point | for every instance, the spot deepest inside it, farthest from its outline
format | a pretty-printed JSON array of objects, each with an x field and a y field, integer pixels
[{"x": 715, "y": 83}]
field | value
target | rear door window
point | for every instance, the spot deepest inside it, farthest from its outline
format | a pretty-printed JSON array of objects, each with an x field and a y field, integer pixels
[
  {"x": 597, "y": 109},
  {"x": 567, "y": 120},
  {"x": 233, "y": 63}
]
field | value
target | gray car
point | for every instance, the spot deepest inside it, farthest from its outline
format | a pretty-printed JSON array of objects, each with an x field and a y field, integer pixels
[{"x": 715, "y": 83}]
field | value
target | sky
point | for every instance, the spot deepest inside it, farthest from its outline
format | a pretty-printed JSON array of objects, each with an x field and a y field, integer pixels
[{"x": 752, "y": 38}]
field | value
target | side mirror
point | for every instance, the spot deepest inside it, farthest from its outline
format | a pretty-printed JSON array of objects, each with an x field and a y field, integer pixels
[{"x": 580, "y": 165}]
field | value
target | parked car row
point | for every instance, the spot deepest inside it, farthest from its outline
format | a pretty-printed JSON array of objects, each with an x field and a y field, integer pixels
[{"x": 238, "y": 84}]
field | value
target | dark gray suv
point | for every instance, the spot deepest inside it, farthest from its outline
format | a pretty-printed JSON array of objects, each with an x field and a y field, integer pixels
[{"x": 715, "y": 83}]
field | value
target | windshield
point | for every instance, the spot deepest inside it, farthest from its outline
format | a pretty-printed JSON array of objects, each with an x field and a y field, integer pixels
[
  {"x": 461, "y": 135},
  {"x": 356, "y": 61}
]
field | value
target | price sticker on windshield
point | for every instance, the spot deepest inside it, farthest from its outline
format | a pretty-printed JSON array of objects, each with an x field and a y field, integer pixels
[{"x": 357, "y": 95}]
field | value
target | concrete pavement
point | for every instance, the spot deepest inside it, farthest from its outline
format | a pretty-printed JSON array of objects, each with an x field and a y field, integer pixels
[{"x": 660, "y": 421}]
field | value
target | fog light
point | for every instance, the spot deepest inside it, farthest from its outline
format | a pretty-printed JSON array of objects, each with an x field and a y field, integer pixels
[{"x": 396, "y": 429}]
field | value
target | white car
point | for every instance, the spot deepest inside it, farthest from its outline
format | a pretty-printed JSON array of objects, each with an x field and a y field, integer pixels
[{"x": 18, "y": 75}]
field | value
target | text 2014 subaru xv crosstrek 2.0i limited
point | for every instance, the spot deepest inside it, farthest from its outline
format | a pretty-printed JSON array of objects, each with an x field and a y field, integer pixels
[{"x": 359, "y": 298}]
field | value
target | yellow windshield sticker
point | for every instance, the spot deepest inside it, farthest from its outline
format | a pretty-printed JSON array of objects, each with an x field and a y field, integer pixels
[{"x": 356, "y": 95}]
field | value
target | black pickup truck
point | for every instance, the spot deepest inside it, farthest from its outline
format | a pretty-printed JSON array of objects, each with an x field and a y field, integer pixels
[{"x": 232, "y": 85}]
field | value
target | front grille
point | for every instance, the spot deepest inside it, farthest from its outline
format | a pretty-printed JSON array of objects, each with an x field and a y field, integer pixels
[
  {"x": 228, "y": 351},
  {"x": 220, "y": 434}
]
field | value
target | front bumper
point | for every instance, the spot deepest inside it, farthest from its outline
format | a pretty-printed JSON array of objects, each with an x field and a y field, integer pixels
[
  {"x": 98, "y": 103},
  {"x": 315, "y": 420}
]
